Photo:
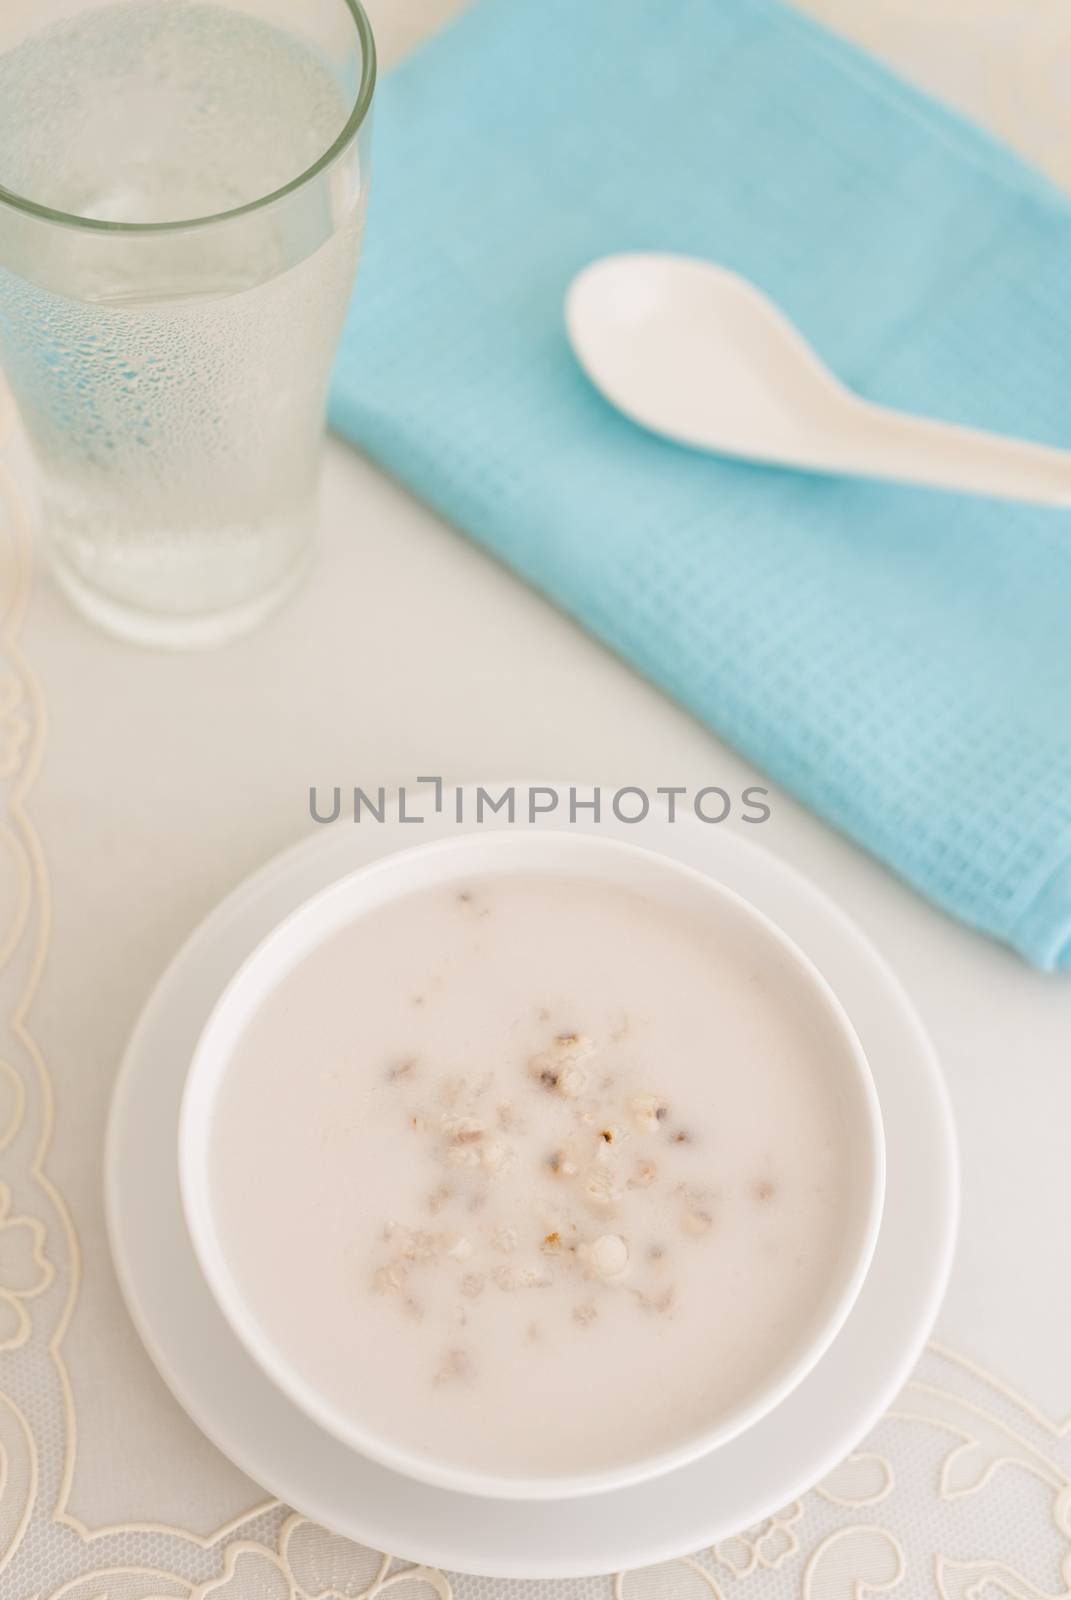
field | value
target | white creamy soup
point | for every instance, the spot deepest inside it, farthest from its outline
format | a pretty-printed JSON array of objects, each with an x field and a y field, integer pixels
[{"x": 533, "y": 1176}]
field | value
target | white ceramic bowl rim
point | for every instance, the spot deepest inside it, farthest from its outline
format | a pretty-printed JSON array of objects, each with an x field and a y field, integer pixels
[{"x": 327, "y": 912}]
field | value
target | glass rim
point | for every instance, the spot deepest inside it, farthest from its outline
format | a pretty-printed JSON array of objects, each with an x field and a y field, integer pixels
[{"x": 353, "y": 124}]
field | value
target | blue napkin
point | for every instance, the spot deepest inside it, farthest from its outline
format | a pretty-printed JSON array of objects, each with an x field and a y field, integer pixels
[{"x": 900, "y": 659}]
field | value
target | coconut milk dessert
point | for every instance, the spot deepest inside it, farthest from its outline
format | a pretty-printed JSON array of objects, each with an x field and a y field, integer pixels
[{"x": 531, "y": 1175}]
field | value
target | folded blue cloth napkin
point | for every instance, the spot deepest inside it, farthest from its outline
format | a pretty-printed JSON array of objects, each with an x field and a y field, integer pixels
[{"x": 900, "y": 659}]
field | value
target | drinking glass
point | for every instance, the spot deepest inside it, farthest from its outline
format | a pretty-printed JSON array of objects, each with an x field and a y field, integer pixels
[{"x": 182, "y": 196}]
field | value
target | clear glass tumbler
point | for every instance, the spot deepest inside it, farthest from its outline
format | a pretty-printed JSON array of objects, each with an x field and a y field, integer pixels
[{"x": 182, "y": 196}]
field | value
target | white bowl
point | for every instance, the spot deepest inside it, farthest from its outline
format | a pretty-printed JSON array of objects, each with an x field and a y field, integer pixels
[{"x": 785, "y": 969}]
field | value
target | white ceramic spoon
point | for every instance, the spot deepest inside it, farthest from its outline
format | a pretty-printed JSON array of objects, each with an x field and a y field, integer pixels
[{"x": 698, "y": 354}]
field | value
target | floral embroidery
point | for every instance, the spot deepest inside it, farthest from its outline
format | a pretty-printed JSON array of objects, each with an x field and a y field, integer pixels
[
  {"x": 767, "y": 1545},
  {"x": 25, "y": 1271}
]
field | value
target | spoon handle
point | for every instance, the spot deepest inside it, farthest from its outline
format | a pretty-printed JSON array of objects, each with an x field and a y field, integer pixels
[{"x": 892, "y": 444}]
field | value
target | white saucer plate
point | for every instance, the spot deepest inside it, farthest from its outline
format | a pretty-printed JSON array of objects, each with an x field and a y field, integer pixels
[{"x": 749, "y": 1478}]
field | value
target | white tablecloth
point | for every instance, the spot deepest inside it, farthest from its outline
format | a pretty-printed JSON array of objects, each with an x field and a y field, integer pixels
[{"x": 139, "y": 788}]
